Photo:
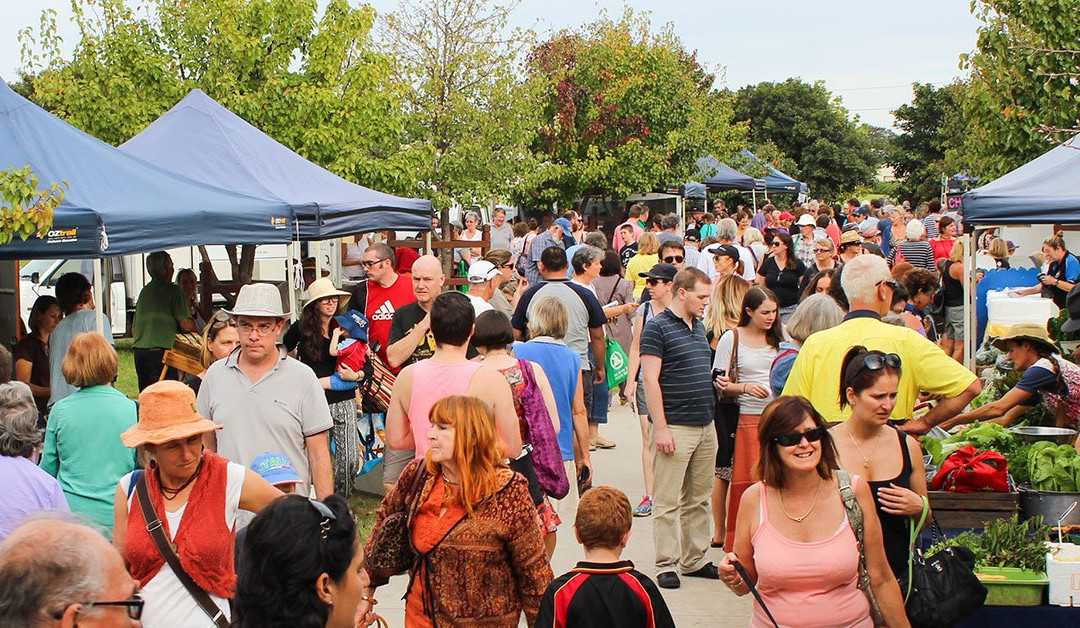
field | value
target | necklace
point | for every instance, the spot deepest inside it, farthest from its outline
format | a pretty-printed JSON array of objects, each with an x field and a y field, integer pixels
[
  {"x": 808, "y": 511},
  {"x": 865, "y": 460},
  {"x": 171, "y": 493}
]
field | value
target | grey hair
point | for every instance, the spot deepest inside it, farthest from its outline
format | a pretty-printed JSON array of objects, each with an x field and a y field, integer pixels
[
  {"x": 671, "y": 221},
  {"x": 597, "y": 239},
  {"x": 862, "y": 276},
  {"x": 586, "y": 255},
  {"x": 727, "y": 229},
  {"x": 915, "y": 230},
  {"x": 156, "y": 263},
  {"x": 49, "y": 571},
  {"x": 469, "y": 215},
  {"x": 19, "y": 434},
  {"x": 815, "y": 313}
]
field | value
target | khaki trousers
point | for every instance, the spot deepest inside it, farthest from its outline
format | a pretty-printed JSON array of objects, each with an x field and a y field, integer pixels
[{"x": 682, "y": 526}]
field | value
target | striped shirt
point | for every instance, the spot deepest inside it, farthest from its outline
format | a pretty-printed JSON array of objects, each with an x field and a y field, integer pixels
[
  {"x": 685, "y": 379},
  {"x": 918, "y": 254}
]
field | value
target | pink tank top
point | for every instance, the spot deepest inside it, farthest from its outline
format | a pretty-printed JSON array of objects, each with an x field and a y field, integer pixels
[
  {"x": 808, "y": 584},
  {"x": 433, "y": 381}
]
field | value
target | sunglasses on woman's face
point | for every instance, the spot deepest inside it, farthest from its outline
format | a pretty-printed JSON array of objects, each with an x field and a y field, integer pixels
[
  {"x": 777, "y": 243},
  {"x": 792, "y": 439},
  {"x": 823, "y": 250}
]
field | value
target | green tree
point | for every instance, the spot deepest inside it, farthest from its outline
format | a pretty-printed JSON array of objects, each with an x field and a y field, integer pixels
[
  {"x": 807, "y": 124},
  {"x": 1024, "y": 89},
  {"x": 623, "y": 110},
  {"x": 470, "y": 115},
  {"x": 312, "y": 80},
  {"x": 26, "y": 209},
  {"x": 927, "y": 133}
]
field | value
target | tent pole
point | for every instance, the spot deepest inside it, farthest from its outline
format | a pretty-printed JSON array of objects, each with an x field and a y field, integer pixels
[
  {"x": 970, "y": 325},
  {"x": 292, "y": 278},
  {"x": 99, "y": 311},
  {"x": 315, "y": 249}
]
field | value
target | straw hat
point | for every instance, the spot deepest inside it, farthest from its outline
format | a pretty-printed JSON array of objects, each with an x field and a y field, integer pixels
[
  {"x": 258, "y": 299},
  {"x": 1030, "y": 333},
  {"x": 166, "y": 413},
  {"x": 850, "y": 237},
  {"x": 322, "y": 288}
]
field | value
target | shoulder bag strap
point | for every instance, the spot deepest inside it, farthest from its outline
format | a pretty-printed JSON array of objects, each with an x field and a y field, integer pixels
[
  {"x": 165, "y": 548},
  {"x": 733, "y": 364}
]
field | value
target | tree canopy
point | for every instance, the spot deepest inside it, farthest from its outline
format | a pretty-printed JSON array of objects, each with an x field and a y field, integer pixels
[
  {"x": 928, "y": 131},
  {"x": 806, "y": 124}
]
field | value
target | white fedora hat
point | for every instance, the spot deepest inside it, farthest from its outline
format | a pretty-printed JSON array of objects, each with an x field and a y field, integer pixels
[{"x": 258, "y": 299}]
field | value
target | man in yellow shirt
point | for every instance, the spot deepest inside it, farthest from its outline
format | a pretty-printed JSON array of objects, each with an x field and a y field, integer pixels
[{"x": 924, "y": 366}]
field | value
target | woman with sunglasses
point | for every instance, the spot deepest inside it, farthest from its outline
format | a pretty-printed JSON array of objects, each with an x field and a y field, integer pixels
[
  {"x": 309, "y": 340},
  {"x": 303, "y": 566},
  {"x": 782, "y": 272},
  {"x": 824, "y": 259},
  {"x": 793, "y": 537},
  {"x": 890, "y": 461},
  {"x": 755, "y": 344},
  {"x": 195, "y": 494},
  {"x": 480, "y": 557},
  {"x": 219, "y": 338}
]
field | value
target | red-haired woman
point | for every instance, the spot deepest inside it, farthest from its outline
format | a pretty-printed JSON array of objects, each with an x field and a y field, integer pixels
[{"x": 480, "y": 555}]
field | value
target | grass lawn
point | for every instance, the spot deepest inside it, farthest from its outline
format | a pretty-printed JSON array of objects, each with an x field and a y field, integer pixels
[{"x": 363, "y": 508}]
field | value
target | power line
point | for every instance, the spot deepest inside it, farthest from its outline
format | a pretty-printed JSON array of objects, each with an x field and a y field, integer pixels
[{"x": 857, "y": 89}]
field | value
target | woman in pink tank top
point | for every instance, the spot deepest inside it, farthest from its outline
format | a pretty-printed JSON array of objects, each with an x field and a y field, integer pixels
[
  {"x": 433, "y": 381},
  {"x": 793, "y": 535}
]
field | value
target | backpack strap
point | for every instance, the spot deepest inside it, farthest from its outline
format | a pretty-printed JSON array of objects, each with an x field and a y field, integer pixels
[
  {"x": 135, "y": 475},
  {"x": 782, "y": 354}
]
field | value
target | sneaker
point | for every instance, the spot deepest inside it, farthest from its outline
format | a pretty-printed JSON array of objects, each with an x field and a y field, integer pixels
[
  {"x": 644, "y": 509},
  {"x": 708, "y": 570},
  {"x": 668, "y": 580}
]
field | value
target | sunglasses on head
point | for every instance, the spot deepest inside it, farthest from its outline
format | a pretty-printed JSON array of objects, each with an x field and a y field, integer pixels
[
  {"x": 876, "y": 362},
  {"x": 326, "y": 514},
  {"x": 791, "y": 439},
  {"x": 674, "y": 259}
]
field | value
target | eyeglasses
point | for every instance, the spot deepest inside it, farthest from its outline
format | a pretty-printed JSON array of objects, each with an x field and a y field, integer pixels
[
  {"x": 876, "y": 362},
  {"x": 261, "y": 329},
  {"x": 792, "y": 439},
  {"x": 892, "y": 283},
  {"x": 134, "y": 606},
  {"x": 327, "y": 515},
  {"x": 823, "y": 250},
  {"x": 674, "y": 259},
  {"x": 368, "y": 263}
]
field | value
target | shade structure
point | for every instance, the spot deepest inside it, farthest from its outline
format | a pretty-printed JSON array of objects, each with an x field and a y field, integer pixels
[
  {"x": 776, "y": 181},
  {"x": 1046, "y": 190},
  {"x": 716, "y": 175},
  {"x": 203, "y": 140},
  {"x": 118, "y": 204}
]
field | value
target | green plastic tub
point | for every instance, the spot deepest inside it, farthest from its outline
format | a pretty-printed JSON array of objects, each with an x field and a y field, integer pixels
[{"x": 1009, "y": 586}]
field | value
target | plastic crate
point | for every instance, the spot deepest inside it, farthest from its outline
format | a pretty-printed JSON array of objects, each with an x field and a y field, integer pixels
[
  {"x": 1009, "y": 586},
  {"x": 1063, "y": 570}
]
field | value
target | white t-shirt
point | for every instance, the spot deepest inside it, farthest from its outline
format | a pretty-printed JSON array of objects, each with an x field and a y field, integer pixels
[
  {"x": 355, "y": 251},
  {"x": 479, "y": 305},
  {"x": 753, "y": 366},
  {"x": 167, "y": 601}
]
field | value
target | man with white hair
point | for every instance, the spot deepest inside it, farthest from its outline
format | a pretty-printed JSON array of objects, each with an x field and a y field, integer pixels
[
  {"x": 869, "y": 286},
  {"x": 726, "y": 232},
  {"x": 58, "y": 573}
]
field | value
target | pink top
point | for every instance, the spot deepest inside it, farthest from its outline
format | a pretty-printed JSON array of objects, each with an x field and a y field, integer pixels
[
  {"x": 808, "y": 584},
  {"x": 431, "y": 382}
]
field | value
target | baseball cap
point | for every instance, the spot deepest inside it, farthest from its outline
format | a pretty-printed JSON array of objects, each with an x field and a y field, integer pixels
[
  {"x": 665, "y": 272},
  {"x": 787, "y": 216},
  {"x": 692, "y": 235},
  {"x": 806, "y": 220},
  {"x": 564, "y": 224},
  {"x": 725, "y": 250},
  {"x": 275, "y": 468},
  {"x": 869, "y": 227},
  {"x": 482, "y": 270},
  {"x": 861, "y": 211},
  {"x": 355, "y": 323}
]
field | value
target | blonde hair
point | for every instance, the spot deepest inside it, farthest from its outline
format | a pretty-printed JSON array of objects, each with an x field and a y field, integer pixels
[
  {"x": 1056, "y": 241},
  {"x": 998, "y": 249},
  {"x": 956, "y": 254},
  {"x": 476, "y": 454},
  {"x": 90, "y": 361},
  {"x": 752, "y": 235},
  {"x": 649, "y": 244},
  {"x": 548, "y": 318},
  {"x": 725, "y": 306},
  {"x": 220, "y": 320}
]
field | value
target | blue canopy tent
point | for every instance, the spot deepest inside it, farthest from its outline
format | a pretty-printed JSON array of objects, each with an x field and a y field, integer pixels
[
  {"x": 1045, "y": 190},
  {"x": 117, "y": 204},
  {"x": 203, "y": 140},
  {"x": 716, "y": 175},
  {"x": 777, "y": 182}
]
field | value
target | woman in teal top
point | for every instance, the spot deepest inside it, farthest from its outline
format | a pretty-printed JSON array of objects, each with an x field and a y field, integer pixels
[{"x": 83, "y": 450}]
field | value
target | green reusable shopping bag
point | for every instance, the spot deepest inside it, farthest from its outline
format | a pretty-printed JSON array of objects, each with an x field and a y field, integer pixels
[{"x": 618, "y": 363}]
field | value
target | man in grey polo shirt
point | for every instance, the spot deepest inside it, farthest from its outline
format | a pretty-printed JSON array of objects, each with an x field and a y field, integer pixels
[{"x": 266, "y": 400}]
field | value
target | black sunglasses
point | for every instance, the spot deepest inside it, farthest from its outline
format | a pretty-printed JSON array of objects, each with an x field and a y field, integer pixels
[
  {"x": 327, "y": 515},
  {"x": 369, "y": 263},
  {"x": 134, "y": 606},
  {"x": 674, "y": 259},
  {"x": 777, "y": 243},
  {"x": 876, "y": 362},
  {"x": 823, "y": 250},
  {"x": 892, "y": 283},
  {"x": 653, "y": 282},
  {"x": 791, "y": 439}
]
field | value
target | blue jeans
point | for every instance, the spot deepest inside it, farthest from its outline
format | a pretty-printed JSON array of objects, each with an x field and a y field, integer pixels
[{"x": 601, "y": 396}]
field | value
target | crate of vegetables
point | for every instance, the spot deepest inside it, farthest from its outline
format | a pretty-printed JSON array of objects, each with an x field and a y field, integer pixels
[
  {"x": 1010, "y": 560},
  {"x": 975, "y": 509}
]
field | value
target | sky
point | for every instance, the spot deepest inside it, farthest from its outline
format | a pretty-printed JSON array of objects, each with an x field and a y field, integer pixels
[{"x": 868, "y": 52}]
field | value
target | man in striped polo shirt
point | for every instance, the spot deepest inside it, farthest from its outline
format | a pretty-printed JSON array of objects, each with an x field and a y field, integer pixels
[{"x": 675, "y": 366}]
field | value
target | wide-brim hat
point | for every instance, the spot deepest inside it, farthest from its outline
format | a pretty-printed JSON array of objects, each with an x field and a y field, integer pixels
[
  {"x": 322, "y": 288},
  {"x": 166, "y": 413},
  {"x": 850, "y": 237},
  {"x": 806, "y": 220},
  {"x": 1072, "y": 304},
  {"x": 258, "y": 299},
  {"x": 1028, "y": 332}
]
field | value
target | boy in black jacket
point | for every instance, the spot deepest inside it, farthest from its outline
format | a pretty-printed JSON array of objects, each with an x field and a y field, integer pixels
[{"x": 603, "y": 591}]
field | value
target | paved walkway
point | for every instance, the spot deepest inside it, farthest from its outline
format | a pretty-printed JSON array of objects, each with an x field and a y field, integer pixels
[{"x": 697, "y": 603}]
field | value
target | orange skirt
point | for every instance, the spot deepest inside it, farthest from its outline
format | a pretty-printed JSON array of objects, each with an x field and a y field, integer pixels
[{"x": 747, "y": 451}]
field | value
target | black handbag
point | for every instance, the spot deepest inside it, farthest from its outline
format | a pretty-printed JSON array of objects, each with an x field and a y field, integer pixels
[{"x": 942, "y": 589}]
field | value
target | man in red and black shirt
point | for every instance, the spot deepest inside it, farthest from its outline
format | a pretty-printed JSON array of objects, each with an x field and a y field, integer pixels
[
  {"x": 381, "y": 295},
  {"x": 603, "y": 591}
]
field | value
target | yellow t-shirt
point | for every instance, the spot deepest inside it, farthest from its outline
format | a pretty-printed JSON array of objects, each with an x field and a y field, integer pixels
[
  {"x": 640, "y": 264},
  {"x": 923, "y": 366}
]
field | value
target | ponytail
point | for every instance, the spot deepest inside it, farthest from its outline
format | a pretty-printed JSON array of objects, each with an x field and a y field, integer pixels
[{"x": 1056, "y": 241}]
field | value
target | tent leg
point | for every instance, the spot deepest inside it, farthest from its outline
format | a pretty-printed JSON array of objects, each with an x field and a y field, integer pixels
[
  {"x": 100, "y": 288},
  {"x": 970, "y": 325},
  {"x": 292, "y": 281}
]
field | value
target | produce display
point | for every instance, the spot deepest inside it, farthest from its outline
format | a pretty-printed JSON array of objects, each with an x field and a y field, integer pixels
[
  {"x": 980, "y": 435},
  {"x": 1053, "y": 467},
  {"x": 1005, "y": 543}
]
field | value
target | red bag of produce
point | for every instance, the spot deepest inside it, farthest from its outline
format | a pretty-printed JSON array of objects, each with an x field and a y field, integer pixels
[{"x": 969, "y": 471}]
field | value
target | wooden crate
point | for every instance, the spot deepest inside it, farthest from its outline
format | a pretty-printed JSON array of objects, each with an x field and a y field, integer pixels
[{"x": 972, "y": 510}]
